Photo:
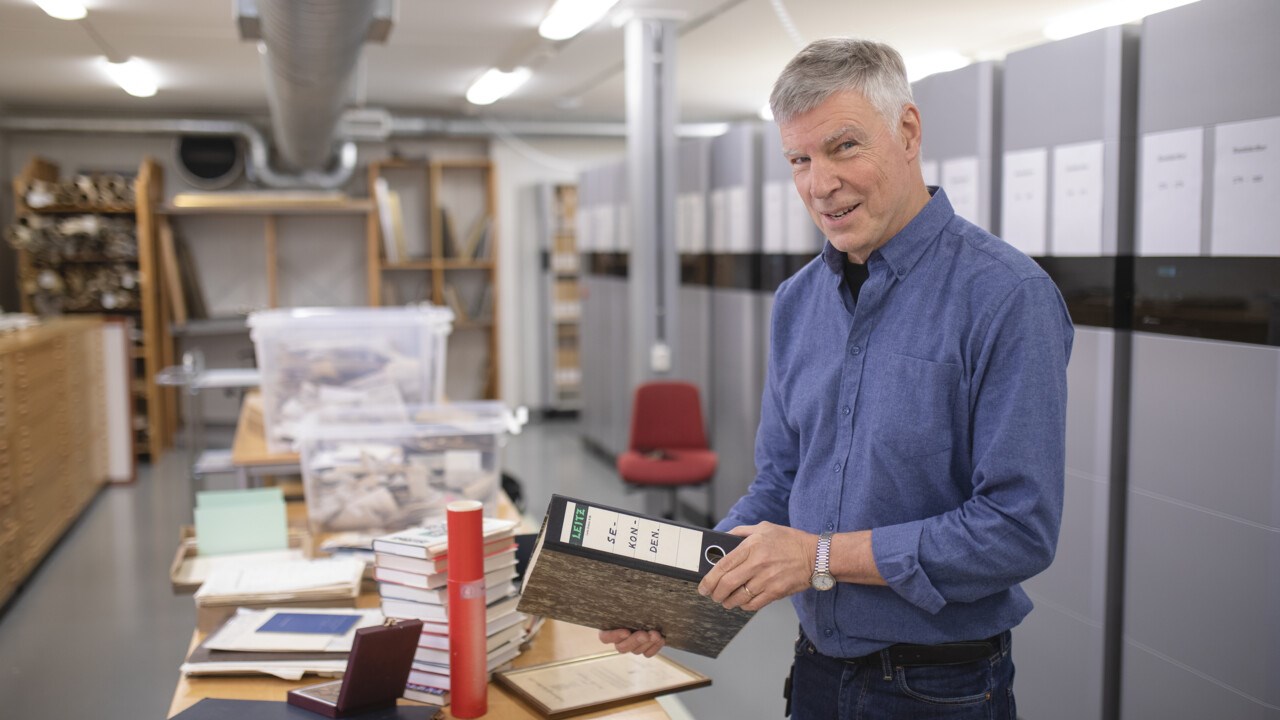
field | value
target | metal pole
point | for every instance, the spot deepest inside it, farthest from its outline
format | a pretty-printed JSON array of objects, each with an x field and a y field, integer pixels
[{"x": 651, "y": 145}]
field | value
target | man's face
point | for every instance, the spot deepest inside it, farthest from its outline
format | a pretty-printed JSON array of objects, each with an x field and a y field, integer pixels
[{"x": 855, "y": 173}]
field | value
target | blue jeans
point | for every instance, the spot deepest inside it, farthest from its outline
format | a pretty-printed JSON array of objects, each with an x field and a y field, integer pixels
[{"x": 825, "y": 687}]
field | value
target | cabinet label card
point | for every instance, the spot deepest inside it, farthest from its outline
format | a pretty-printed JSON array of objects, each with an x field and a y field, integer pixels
[
  {"x": 624, "y": 228},
  {"x": 1024, "y": 200},
  {"x": 606, "y": 229},
  {"x": 773, "y": 226},
  {"x": 631, "y": 536},
  {"x": 739, "y": 229},
  {"x": 1170, "y": 193},
  {"x": 802, "y": 234},
  {"x": 960, "y": 180},
  {"x": 929, "y": 171},
  {"x": 1077, "y": 199},
  {"x": 719, "y": 221},
  {"x": 691, "y": 223},
  {"x": 1246, "y": 188}
]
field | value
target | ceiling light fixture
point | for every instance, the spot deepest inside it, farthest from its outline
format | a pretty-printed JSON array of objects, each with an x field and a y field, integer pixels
[
  {"x": 1107, "y": 14},
  {"x": 133, "y": 76},
  {"x": 62, "y": 9},
  {"x": 921, "y": 66},
  {"x": 495, "y": 84},
  {"x": 569, "y": 17}
]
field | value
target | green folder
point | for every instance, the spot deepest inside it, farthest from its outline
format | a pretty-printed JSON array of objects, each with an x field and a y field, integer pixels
[{"x": 231, "y": 521}]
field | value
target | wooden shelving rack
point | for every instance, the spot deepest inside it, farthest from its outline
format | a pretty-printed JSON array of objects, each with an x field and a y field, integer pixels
[
  {"x": 444, "y": 177},
  {"x": 156, "y": 407}
]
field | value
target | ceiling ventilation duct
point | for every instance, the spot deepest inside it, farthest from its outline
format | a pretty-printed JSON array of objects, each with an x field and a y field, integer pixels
[{"x": 311, "y": 51}]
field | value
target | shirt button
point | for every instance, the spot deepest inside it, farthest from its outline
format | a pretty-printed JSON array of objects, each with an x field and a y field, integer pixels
[
  {"x": 837, "y": 468},
  {"x": 828, "y": 632},
  {"x": 856, "y": 350},
  {"x": 845, "y": 410},
  {"x": 831, "y": 526}
]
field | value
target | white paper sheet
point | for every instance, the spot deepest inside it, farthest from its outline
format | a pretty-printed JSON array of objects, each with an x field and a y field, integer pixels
[
  {"x": 197, "y": 568},
  {"x": 240, "y": 632},
  {"x": 682, "y": 223},
  {"x": 929, "y": 169},
  {"x": 739, "y": 213},
  {"x": 1246, "y": 188},
  {"x": 697, "y": 223},
  {"x": 802, "y": 234},
  {"x": 773, "y": 230},
  {"x": 1077, "y": 199},
  {"x": 1169, "y": 193},
  {"x": 625, "y": 229},
  {"x": 1024, "y": 199},
  {"x": 281, "y": 578},
  {"x": 719, "y": 221},
  {"x": 960, "y": 180},
  {"x": 606, "y": 229}
]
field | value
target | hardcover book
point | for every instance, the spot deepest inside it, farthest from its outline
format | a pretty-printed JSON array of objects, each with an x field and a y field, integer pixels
[
  {"x": 431, "y": 540},
  {"x": 607, "y": 568},
  {"x": 495, "y": 552},
  {"x": 440, "y": 580},
  {"x": 393, "y": 608}
]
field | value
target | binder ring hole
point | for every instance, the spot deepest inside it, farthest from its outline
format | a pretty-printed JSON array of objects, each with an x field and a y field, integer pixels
[{"x": 714, "y": 554}]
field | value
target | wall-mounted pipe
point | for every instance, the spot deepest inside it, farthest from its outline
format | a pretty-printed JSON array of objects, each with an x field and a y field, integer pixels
[{"x": 258, "y": 168}]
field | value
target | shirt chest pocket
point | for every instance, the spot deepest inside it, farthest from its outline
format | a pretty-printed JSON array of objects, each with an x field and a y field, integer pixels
[{"x": 914, "y": 406}]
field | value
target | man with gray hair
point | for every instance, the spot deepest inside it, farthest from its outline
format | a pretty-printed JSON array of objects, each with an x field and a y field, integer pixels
[{"x": 910, "y": 455}]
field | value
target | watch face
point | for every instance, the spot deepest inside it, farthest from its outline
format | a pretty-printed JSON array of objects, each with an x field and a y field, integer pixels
[{"x": 822, "y": 581}]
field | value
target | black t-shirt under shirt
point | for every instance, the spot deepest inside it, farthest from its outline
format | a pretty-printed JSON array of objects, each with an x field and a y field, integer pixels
[{"x": 854, "y": 276}]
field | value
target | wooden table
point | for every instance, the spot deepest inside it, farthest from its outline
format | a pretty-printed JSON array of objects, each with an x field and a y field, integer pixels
[
  {"x": 249, "y": 453},
  {"x": 556, "y": 641}
]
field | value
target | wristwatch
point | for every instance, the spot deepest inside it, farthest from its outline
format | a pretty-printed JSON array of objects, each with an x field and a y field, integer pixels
[{"x": 822, "y": 579}]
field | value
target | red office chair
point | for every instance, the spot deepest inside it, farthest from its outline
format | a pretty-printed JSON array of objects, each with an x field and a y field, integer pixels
[{"x": 668, "y": 447}]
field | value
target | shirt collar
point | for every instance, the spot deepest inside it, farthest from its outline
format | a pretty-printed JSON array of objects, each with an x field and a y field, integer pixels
[{"x": 904, "y": 249}]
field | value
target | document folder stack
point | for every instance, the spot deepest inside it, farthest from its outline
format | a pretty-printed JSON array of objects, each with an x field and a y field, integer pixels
[{"x": 412, "y": 569}]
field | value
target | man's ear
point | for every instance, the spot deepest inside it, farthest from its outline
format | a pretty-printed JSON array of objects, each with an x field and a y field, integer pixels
[{"x": 910, "y": 132}]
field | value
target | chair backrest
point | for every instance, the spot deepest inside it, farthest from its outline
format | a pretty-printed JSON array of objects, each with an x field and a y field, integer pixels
[{"x": 667, "y": 414}]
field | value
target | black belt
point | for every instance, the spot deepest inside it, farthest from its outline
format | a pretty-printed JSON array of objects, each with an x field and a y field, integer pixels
[{"x": 955, "y": 653}]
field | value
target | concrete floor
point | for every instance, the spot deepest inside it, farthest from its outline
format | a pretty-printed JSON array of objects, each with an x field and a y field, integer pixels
[{"x": 96, "y": 632}]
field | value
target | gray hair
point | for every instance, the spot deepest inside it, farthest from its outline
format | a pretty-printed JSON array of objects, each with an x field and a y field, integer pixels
[{"x": 826, "y": 67}]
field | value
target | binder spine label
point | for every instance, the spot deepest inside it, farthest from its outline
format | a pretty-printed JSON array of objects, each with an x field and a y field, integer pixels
[{"x": 632, "y": 537}]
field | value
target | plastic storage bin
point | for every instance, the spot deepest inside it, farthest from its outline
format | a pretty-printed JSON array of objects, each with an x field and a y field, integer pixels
[
  {"x": 379, "y": 470},
  {"x": 312, "y": 358}
]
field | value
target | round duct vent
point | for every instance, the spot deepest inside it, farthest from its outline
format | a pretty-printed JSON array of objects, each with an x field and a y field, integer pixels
[{"x": 210, "y": 162}]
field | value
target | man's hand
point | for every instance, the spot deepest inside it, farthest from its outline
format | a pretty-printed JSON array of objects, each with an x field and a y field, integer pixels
[
  {"x": 640, "y": 642},
  {"x": 773, "y": 562}
]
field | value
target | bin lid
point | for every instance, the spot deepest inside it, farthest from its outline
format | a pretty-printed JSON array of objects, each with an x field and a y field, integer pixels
[
  {"x": 319, "y": 317},
  {"x": 481, "y": 417}
]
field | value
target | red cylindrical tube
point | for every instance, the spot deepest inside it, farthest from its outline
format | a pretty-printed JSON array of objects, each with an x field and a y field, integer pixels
[{"x": 468, "y": 674}]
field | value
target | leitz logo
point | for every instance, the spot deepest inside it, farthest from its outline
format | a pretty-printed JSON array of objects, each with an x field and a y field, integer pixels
[{"x": 579, "y": 525}]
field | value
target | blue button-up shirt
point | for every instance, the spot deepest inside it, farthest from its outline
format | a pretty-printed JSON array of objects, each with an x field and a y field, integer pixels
[{"x": 932, "y": 413}]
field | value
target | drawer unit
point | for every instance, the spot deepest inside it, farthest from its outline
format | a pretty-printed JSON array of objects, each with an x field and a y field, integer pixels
[{"x": 52, "y": 420}]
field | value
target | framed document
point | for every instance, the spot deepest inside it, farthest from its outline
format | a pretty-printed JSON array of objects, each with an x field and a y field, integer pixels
[{"x": 568, "y": 687}]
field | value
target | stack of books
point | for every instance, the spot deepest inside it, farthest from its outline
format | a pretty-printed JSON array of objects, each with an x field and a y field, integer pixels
[{"x": 412, "y": 570}]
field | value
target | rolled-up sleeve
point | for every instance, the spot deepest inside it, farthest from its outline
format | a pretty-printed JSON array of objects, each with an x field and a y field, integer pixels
[{"x": 1007, "y": 530}]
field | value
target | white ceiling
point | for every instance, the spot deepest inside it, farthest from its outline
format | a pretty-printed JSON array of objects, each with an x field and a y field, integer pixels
[{"x": 729, "y": 52}]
